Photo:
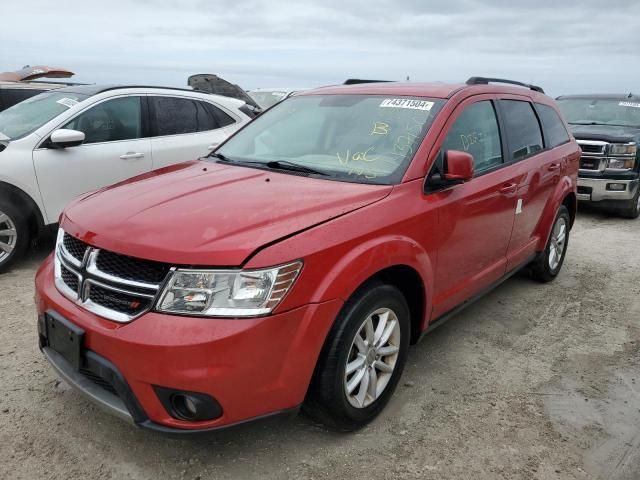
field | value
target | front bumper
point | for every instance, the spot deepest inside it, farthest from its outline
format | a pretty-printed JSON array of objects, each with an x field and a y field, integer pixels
[
  {"x": 252, "y": 367},
  {"x": 595, "y": 189}
]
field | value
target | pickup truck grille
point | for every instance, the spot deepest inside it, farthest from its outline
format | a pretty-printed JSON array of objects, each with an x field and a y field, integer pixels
[
  {"x": 594, "y": 155},
  {"x": 113, "y": 286},
  {"x": 587, "y": 148}
]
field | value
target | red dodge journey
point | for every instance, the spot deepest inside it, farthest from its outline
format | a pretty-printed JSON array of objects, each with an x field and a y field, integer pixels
[{"x": 294, "y": 266}]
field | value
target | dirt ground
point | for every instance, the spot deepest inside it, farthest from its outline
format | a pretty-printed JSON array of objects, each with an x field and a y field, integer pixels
[{"x": 532, "y": 382}]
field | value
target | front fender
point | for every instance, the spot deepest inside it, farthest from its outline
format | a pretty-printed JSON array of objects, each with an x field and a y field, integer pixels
[{"x": 564, "y": 187}]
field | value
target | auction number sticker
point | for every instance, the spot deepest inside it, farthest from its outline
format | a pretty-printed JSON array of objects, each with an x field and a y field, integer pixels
[
  {"x": 629, "y": 104},
  {"x": 67, "y": 102},
  {"x": 406, "y": 103}
]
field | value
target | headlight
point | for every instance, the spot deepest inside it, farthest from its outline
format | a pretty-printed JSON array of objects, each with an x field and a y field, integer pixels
[
  {"x": 623, "y": 149},
  {"x": 226, "y": 293},
  {"x": 621, "y": 163}
]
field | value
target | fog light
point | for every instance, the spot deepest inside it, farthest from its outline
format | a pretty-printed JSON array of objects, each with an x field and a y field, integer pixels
[
  {"x": 189, "y": 406},
  {"x": 616, "y": 187},
  {"x": 185, "y": 406}
]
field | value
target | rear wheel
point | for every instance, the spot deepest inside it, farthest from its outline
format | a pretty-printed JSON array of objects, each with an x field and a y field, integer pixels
[
  {"x": 549, "y": 262},
  {"x": 632, "y": 210},
  {"x": 14, "y": 234},
  {"x": 362, "y": 360}
]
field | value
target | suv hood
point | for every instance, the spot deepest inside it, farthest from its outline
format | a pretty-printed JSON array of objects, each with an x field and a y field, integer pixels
[
  {"x": 203, "y": 213},
  {"x": 605, "y": 133}
]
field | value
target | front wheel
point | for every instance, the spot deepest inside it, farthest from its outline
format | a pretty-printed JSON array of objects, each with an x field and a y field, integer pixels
[
  {"x": 549, "y": 262},
  {"x": 632, "y": 209},
  {"x": 362, "y": 360},
  {"x": 14, "y": 234}
]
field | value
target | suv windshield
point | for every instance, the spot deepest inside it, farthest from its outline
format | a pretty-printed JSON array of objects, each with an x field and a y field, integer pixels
[
  {"x": 601, "y": 111},
  {"x": 25, "y": 117},
  {"x": 354, "y": 138}
]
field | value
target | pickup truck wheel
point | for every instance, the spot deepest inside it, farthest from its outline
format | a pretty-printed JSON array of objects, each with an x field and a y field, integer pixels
[
  {"x": 362, "y": 360},
  {"x": 549, "y": 262},
  {"x": 633, "y": 209},
  {"x": 14, "y": 234}
]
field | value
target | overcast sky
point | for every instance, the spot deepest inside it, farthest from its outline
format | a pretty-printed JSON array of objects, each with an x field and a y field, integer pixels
[{"x": 566, "y": 47}]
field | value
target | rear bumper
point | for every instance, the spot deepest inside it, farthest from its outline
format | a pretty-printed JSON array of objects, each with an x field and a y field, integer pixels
[
  {"x": 252, "y": 367},
  {"x": 595, "y": 189}
]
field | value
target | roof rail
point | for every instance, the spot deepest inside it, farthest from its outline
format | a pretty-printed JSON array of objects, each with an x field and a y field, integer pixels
[
  {"x": 486, "y": 81},
  {"x": 356, "y": 81}
]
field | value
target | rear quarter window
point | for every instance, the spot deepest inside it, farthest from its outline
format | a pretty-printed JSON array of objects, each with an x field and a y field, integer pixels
[
  {"x": 555, "y": 132},
  {"x": 523, "y": 129}
]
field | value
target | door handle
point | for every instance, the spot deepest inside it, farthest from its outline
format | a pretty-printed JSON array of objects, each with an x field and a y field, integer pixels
[
  {"x": 508, "y": 188},
  {"x": 130, "y": 155},
  {"x": 553, "y": 167}
]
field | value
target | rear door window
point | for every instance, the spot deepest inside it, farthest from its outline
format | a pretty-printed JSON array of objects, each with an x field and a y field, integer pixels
[
  {"x": 476, "y": 132},
  {"x": 177, "y": 116},
  {"x": 174, "y": 116},
  {"x": 522, "y": 129},
  {"x": 110, "y": 121},
  {"x": 555, "y": 133}
]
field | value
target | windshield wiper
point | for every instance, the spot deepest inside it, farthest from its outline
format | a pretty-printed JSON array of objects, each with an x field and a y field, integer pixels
[
  {"x": 294, "y": 167},
  {"x": 273, "y": 164}
]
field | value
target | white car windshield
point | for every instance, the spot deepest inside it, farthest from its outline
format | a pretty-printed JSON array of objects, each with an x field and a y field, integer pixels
[
  {"x": 29, "y": 115},
  {"x": 354, "y": 138}
]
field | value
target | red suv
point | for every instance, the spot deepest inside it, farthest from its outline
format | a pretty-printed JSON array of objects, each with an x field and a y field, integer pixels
[{"x": 295, "y": 266}]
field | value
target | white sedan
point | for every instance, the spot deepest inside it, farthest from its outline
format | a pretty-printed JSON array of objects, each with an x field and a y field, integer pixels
[{"x": 61, "y": 144}]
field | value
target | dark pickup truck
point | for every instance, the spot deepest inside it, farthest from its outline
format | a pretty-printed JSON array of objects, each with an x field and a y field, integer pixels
[{"x": 607, "y": 128}]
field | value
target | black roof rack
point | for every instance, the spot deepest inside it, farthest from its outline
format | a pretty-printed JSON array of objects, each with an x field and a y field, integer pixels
[
  {"x": 356, "y": 81},
  {"x": 486, "y": 81}
]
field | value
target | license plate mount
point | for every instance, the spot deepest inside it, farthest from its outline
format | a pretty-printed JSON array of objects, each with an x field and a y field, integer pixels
[{"x": 65, "y": 338}]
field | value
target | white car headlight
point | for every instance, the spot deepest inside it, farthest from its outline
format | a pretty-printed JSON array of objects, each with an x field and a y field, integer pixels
[
  {"x": 227, "y": 293},
  {"x": 623, "y": 149}
]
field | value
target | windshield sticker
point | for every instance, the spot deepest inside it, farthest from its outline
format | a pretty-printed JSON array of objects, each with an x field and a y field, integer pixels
[
  {"x": 629, "y": 104},
  {"x": 67, "y": 102},
  {"x": 406, "y": 103}
]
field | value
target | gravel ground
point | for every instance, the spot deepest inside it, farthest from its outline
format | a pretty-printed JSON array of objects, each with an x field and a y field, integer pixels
[{"x": 533, "y": 382}]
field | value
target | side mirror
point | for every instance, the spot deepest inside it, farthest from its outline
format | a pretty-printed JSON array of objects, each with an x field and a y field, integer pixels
[
  {"x": 63, "y": 138},
  {"x": 459, "y": 166}
]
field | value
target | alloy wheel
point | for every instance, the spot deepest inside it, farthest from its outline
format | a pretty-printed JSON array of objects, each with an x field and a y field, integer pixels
[
  {"x": 557, "y": 243},
  {"x": 372, "y": 358},
  {"x": 8, "y": 236}
]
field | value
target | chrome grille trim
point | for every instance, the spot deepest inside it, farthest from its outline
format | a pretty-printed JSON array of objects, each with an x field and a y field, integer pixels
[{"x": 89, "y": 274}]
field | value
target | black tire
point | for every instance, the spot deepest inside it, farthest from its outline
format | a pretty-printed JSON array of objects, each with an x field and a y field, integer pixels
[
  {"x": 632, "y": 209},
  {"x": 327, "y": 400},
  {"x": 20, "y": 244},
  {"x": 541, "y": 268}
]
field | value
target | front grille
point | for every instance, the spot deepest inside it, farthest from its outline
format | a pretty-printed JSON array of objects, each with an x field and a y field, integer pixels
[
  {"x": 588, "y": 148},
  {"x": 75, "y": 247},
  {"x": 131, "y": 268},
  {"x": 587, "y": 163},
  {"x": 98, "y": 380},
  {"x": 114, "y": 286},
  {"x": 118, "y": 301},
  {"x": 69, "y": 278}
]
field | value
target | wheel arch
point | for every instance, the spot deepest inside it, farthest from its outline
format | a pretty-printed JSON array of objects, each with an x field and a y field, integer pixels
[
  {"x": 33, "y": 214},
  {"x": 564, "y": 194}
]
